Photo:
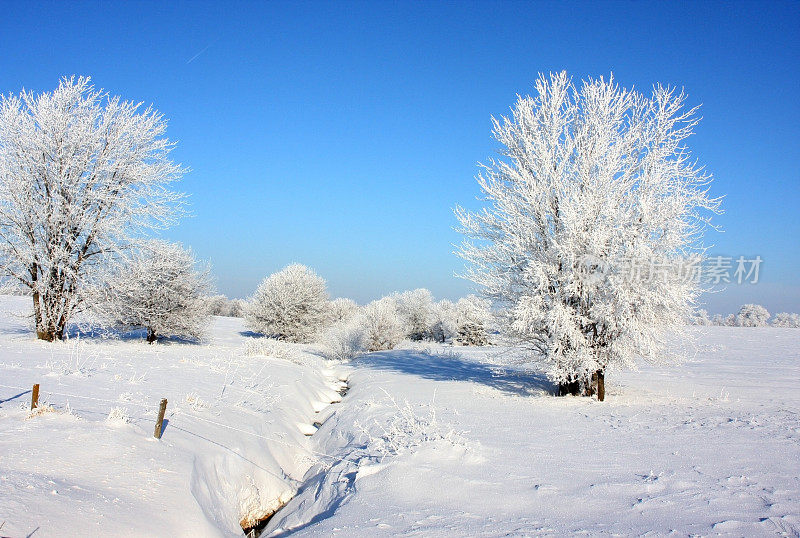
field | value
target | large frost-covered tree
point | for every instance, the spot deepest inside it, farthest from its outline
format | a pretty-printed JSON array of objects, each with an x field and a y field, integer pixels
[
  {"x": 81, "y": 173},
  {"x": 158, "y": 288},
  {"x": 291, "y": 304},
  {"x": 594, "y": 207}
]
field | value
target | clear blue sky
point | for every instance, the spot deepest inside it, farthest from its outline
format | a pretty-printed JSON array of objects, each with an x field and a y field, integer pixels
[{"x": 340, "y": 135}]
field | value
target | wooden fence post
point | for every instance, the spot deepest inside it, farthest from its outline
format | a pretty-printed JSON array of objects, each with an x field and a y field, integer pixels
[
  {"x": 35, "y": 396},
  {"x": 160, "y": 422}
]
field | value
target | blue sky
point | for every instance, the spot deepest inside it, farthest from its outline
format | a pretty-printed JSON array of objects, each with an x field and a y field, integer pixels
[{"x": 340, "y": 135}]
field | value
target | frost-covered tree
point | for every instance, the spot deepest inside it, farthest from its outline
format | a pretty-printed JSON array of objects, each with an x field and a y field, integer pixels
[
  {"x": 443, "y": 321},
  {"x": 473, "y": 317},
  {"x": 415, "y": 309},
  {"x": 593, "y": 193},
  {"x": 291, "y": 304},
  {"x": 81, "y": 174},
  {"x": 341, "y": 310},
  {"x": 752, "y": 315},
  {"x": 785, "y": 319},
  {"x": 158, "y": 289},
  {"x": 383, "y": 327},
  {"x": 220, "y": 305},
  {"x": 344, "y": 340},
  {"x": 217, "y": 305},
  {"x": 700, "y": 317}
]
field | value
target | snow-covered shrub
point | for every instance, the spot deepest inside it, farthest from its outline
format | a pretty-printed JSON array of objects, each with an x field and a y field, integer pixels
[
  {"x": 220, "y": 305},
  {"x": 700, "y": 317},
  {"x": 785, "y": 319},
  {"x": 344, "y": 341},
  {"x": 118, "y": 416},
  {"x": 383, "y": 328},
  {"x": 291, "y": 305},
  {"x": 406, "y": 429},
  {"x": 415, "y": 309},
  {"x": 594, "y": 182},
  {"x": 217, "y": 305},
  {"x": 443, "y": 321},
  {"x": 341, "y": 310},
  {"x": 195, "y": 402},
  {"x": 277, "y": 349},
  {"x": 473, "y": 317},
  {"x": 158, "y": 289},
  {"x": 752, "y": 315}
]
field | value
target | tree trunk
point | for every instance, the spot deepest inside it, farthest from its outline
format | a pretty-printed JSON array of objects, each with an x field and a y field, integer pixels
[
  {"x": 599, "y": 377},
  {"x": 41, "y": 332},
  {"x": 151, "y": 336},
  {"x": 61, "y": 328}
]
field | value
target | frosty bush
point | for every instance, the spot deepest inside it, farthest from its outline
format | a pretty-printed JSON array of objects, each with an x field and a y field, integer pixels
[
  {"x": 344, "y": 341},
  {"x": 118, "y": 416},
  {"x": 700, "y": 317},
  {"x": 406, "y": 429},
  {"x": 220, "y": 305},
  {"x": 158, "y": 289},
  {"x": 276, "y": 349},
  {"x": 752, "y": 315},
  {"x": 383, "y": 328},
  {"x": 472, "y": 319},
  {"x": 415, "y": 309},
  {"x": 81, "y": 173},
  {"x": 591, "y": 178},
  {"x": 443, "y": 321},
  {"x": 342, "y": 310},
  {"x": 785, "y": 319},
  {"x": 291, "y": 304}
]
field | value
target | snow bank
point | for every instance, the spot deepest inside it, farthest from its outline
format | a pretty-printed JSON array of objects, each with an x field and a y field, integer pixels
[{"x": 233, "y": 449}]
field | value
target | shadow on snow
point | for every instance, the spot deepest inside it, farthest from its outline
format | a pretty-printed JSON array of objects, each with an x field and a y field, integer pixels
[{"x": 455, "y": 368}]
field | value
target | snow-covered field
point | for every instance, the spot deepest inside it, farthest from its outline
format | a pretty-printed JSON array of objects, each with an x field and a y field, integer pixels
[{"x": 430, "y": 440}]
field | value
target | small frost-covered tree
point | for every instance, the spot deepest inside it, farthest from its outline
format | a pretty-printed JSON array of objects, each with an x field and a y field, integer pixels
[
  {"x": 752, "y": 315},
  {"x": 342, "y": 310},
  {"x": 158, "y": 289},
  {"x": 785, "y": 319},
  {"x": 344, "y": 341},
  {"x": 383, "y": 327},
  {"x": 81, "y": 174},
  {"x": 443, "y": 324},
  {"x": 217, "y": 305},
  {"x": 473, "y": 317},
  {"x": 291, "y": 304},
  {"x": 700, "y": 317},
  {"x": 594, "y": 188},
  {"x": 415, "y": 309}
]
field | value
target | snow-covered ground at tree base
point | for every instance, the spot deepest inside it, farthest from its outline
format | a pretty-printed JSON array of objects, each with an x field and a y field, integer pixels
[{"x": 430, "y": 440}]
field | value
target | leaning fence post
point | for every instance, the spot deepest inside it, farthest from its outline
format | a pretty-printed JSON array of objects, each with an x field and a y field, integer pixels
[
  {"x": 159, "y": 423},
  {"x": 35, "y": 396}
]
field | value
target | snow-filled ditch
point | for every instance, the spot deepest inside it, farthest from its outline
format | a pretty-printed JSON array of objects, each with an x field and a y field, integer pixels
[{"x": 236, "y": 440}]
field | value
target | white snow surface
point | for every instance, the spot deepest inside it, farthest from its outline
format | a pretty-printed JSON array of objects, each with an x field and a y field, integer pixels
[{"x": 430, "y": 440}]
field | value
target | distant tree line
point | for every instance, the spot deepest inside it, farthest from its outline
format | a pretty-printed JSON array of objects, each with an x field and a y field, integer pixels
[{"x": 749, "y": 315}]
